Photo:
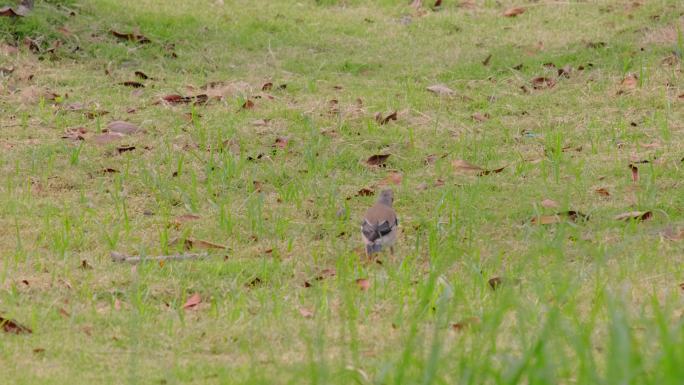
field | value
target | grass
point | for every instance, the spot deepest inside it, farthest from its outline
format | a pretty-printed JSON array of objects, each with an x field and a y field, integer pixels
[{"x": 595, "y": 302}]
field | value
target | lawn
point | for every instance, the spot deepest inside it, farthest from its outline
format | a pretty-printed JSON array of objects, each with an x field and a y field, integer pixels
[{"x": 536, "y": 156}]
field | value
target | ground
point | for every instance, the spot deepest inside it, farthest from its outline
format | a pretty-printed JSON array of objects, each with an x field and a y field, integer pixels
[{"x": 539, "y": 191}]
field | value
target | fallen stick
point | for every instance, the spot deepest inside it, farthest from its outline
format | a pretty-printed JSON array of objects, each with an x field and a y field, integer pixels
[{"x": 120, "y": 257}]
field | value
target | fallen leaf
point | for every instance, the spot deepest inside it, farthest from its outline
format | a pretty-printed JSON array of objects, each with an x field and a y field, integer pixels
[
  {"x": 267, "y": 86},
  {"x": 281, "y": 142},
  {"x": 179, "y": 99},
  {"x": 461, "y": 166},
  {"x": 651, "y": 145},
  {"x": 334, "y": 107},
  {"x": 480, "y": 117},
  {"x": 438, "y": 3},
  {"x": 485, "y": 62},
  {"x": 260, "y": 122},
  {"x": 248, "y": 105},
  {"x": 430, "y": 159},
  {"x": 493, "y": 171},
  {"x": 64, "y": 313},
  {"x": 673, "y": 234},
  {"x": 134, "y": 84},
  {"x": 12, "y": 326},
  {"x": 39, "y": 350},
  {"x": 565, "y": 71},
  {"x": 549, "y": 203},
  {"x": 602, "y": 192},
  {"x": 121, "y": 127},
  {"x": 638, "y": 216},
  {"x": 85, "y": 265},
  {"x": 365, "y": 192},
  {"x": 513, "y": 12},
  {"x": 107, "y": 138},
  {"x": 363, "y": 284},
  {"x": 94, "y": 114},
  {"x": 377, "y": 160},
  {"x": 192, "y": 302},
  {"x": 571, "y": 215},
  {"x": 122, "y": 149},
  {"x": 134, "y": 37},
  {"x": 467, "y": 322},
  {"x": 630, "y": 81},
  {"x": 306, "y": 313},
  {"x": 546, "y": 220},
  {"x": 20, "y": 10},
  {"x": 540, "y": 83},
  {"x": 180, "y": 219},
  {"x": 495, "y": 282},
  {"x": 635, "y": 173},
  {"x": 385, "y": 120},
  {"x": 141, "y": 75},
  {"x": 192, "y": 243},
  {"x": 441, "y": 90},
  {"x": 393, "y": 177}
]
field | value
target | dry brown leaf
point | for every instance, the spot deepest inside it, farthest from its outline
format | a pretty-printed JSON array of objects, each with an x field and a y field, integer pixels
[
  {"x": 363, "y": 284},
  {"x": 192, "y": 243},
  {"x": 541, "y": 82},
  {"x": 12, "y": 326},
  {"x": 174, "y": 99},
  {"x": 393, "y": 177},
  {"x": 673, "y": 234},
  {"x": 180, "y": 219},
  {"x": 248, "y": 105},
  {"x": 602, "y": 192},
  {"x": 192, "y": 302},
  {"x": 260, "y": 122},
  {"x": 546, "y": 220},
  {"x": 281, "y": 142},
  {"x": 378, "y": 160},
  {"x": 513, "y": 12},
  {"x": 133, "y": 84},
  {"x": 549, "y": 203},
  {"x": 306, "y": 313},
  {"x": 132, "y": 36},
  {"x": 465, "y": 323},
  {"x": 480, "y": 117},
  {"x": 441, "y": 90},
  {"x": 495, "y": 282},
  {"x": 635, "y": 173},
  {"x": 463, "y": 167},
  {"x": 141, "y": 75},
  {"x": 630, "y": 81},
  {"x": 365, "y": 192},
  {"x": 387, "y": 119},
  {"x": 638, "y": 216},
  {"x": 121, "y": 127},
  {"x": 571, "y": 215},
  {"x": 107, "y": 138}
]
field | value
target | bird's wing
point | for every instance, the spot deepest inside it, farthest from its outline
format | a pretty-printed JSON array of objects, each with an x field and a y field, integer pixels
[{"x": 379, "y": 221}]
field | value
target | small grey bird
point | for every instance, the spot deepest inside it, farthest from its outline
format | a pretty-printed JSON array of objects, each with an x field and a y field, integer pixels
[{"x": 379, "y": 227}]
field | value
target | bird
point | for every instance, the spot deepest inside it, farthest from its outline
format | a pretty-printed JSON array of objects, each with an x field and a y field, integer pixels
[{"x": 379, "y": 226}]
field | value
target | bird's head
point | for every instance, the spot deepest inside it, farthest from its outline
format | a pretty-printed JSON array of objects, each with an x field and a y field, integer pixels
[{"x": 386, "y": 197}]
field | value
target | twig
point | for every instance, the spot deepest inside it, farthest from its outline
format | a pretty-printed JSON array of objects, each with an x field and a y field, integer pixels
[{"x": 120, "y": 257}]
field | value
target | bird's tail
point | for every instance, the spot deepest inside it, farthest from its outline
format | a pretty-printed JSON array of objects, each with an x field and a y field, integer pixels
[{"x": 373, "y": 248}]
